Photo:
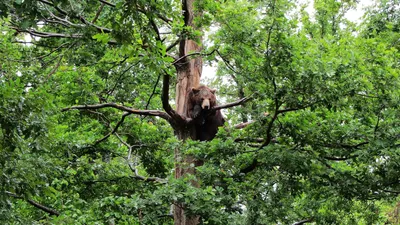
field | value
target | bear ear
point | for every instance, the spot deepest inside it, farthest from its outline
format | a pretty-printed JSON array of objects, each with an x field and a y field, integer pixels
[
  {"x": 195, "y": 90},
  {"x": 213, "y": 91}
]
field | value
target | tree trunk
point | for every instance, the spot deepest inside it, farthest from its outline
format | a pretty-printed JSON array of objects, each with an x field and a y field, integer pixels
[
  {"x": 189, "y": 70},
  {"x": 189, "y": 73}
]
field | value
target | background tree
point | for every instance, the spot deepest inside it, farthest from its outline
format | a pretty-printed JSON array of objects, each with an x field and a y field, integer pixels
[{"x": 323, "y": 136}]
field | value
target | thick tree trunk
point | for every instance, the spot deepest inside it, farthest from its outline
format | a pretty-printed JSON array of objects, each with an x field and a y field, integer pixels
[
  {"x": 189, "y": 73},
  {"x": 189, "y": 70}
]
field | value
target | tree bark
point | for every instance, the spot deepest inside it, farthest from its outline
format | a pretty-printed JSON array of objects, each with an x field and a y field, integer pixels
[
  {"x": 189, "y": 73},
  {"x": 189, "y": 69}
]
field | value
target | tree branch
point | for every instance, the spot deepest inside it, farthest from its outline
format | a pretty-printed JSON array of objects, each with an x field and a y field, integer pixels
[
  {"x": 35, "y": 204},
  {"x": 55, "y": 67},
  {"x": 115, "y": 128},
  {"x": 230, "y": 105},
  {"x": 303, "y": 222},
  {"x": 56, "y": 7},
  {"x": 98, "y": 12},
  {"x": 227, "y": 63},
  {"x": 172, "y": 45},
  {"x": 46, "y": 34},
  {"x": 134, "y": 168},
  {"x": 192, "y": 54},
  {"x": 339, "y": 158},
  {"x": 82, "y": 19},
  {"x": 165, "y": 19},
  {"x": 155, "y": 28},
  {"x": 178, "y": 119},
  {"x": 243, "y": 125},
  {"x": 153, "y": 92},
  {"x": 123, "y": 108},
  {"x": 346, "y": 146},
  {"x": 255, "y": 162},
  {"x": 101, "y": 29},
  {"x": 107, "y": 3}
]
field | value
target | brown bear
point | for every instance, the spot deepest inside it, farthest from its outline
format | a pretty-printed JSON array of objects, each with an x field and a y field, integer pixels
[{"x": 200, "y": 102}]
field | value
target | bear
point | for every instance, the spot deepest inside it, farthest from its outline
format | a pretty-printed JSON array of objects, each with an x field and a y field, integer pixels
[{"x": 200, "y": 102}]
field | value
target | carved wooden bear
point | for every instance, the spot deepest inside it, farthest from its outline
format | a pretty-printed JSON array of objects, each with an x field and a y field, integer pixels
[{"x": 200, "y": 102}]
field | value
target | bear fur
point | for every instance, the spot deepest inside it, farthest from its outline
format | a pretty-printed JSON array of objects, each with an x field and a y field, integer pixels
[{"x": 200, "y": 102}]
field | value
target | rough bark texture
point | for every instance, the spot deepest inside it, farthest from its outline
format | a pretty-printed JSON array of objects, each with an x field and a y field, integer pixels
[
  {"x": 189, "y": 69},
  {"x": 189, "y": 73}
]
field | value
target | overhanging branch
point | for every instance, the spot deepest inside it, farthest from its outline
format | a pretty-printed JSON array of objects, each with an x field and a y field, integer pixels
[
  {"x": 123, "y": 108},
  {"x": 230, "y": 105}
]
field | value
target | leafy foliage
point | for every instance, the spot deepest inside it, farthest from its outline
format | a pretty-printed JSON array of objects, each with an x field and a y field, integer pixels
[{"x": 323, "y": 144}]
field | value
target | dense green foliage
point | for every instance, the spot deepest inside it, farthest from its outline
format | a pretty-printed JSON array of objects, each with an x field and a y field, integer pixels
[{"x": 324, "y": 144}]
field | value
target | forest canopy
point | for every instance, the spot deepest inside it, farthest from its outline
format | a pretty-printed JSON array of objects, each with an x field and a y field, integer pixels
[{"x": 93, "y": 128}]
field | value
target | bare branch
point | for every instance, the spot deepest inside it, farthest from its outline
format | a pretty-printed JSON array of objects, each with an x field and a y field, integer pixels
[
  {"x": 165, "y": 94},
  {"x": 155, "y": 28},
  {"x": 243, "y": 125},
  {"x": 98, "y": 12},
  {"x": 101, "y": 29},
  {"x": 35, "y": 204},
  {"x": 346, "y": 146},
  {"x": 123, "y": 108},
  {"x": 255, "y": 162},
  {"x": 154, "y": 91},
  {"x": 134, "y": 167},
  {"x": 303, "y": 222},
  {"x": 107, "y": 3},
  {"x": 192, "y": 54},
  {"x": 55, "y": 67},
  {"x": 163, "y": 18},
  {"x": 115, "y": 128},
  {"x": 178, "y": 119},
  {"x": 47, "y": 34},
  {"x": 256, "y": 140},
  {"x": 339, "y": 158},
  {"x": 56, "y": 7},
  {"x": 230, "y": 105},
  {"x": 227, "y": 63},
  {"x": 172, "y": 45}
]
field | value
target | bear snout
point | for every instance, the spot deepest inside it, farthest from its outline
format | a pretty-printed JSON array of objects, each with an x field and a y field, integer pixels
[{"x": 205, "y": 104}]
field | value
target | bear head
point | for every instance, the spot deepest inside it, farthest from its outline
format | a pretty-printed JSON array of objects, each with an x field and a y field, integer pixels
[{"x": 204, "y": 97}]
